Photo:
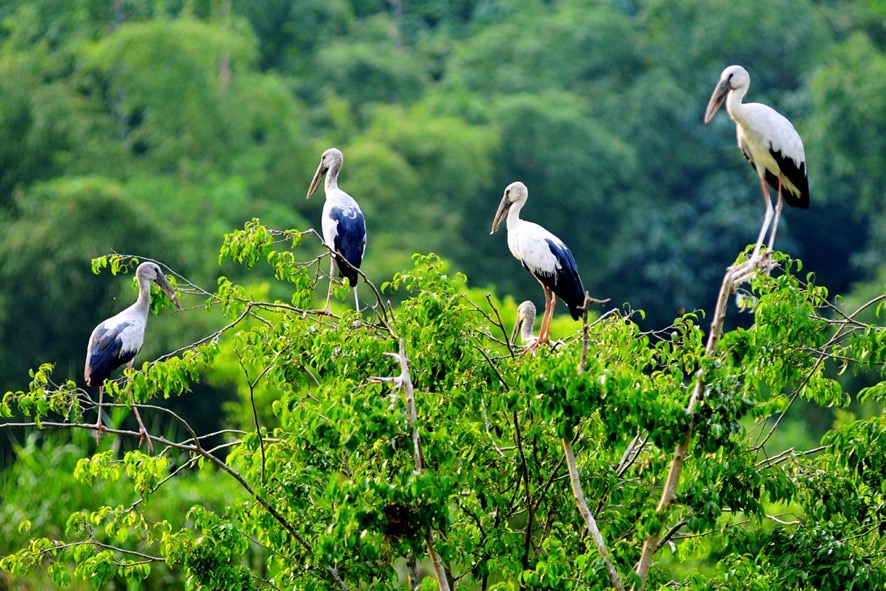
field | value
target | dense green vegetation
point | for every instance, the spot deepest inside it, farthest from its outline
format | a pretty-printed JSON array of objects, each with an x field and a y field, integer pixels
[
  {"x": 157, "y": 128},
  {"x": 345, "y": 469}
]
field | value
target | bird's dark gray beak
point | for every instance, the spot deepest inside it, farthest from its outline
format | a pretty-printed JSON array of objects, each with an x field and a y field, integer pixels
[
  {"x": 717, "y": 99},
  {"x": 503, "y": 208},
  {"x": 167, "y": 288},
  {"x": 318, "y": 176}
]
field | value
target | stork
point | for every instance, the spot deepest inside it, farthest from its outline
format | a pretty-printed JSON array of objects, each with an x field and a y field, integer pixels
[
  {"x": 117, "y": 340},
  {"x": 771, "y": 144},
  {"x": 523, "y": 325},
  {"x": 542, "y": 254},
  {"x": 344, "y": 228}
]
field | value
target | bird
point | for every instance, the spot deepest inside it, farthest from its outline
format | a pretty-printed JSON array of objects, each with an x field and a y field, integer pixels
[
  {"x": 771, "y": 144},
  {"x": 344, "y": 227},
  {"x": 544, "y": 255},
  {"x": 523, "y": 325},
  {"x": 117, "y": 340}
]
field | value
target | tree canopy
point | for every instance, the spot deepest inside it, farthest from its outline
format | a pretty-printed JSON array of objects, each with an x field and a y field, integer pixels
[{"x": 463, "y": 463}]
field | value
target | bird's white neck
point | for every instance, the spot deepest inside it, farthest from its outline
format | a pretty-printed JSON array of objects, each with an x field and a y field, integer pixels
[
  {"x": 514, "y": 213},
  {"x": 331, "y": 182},
  {"x": 143, "y": 303},
  {"x": 526, "y": 331},
  {"x": 734, "y": 105}
]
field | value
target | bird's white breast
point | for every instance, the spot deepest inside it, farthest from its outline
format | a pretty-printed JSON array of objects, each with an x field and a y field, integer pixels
[
  {"x": 133, "y": 336},
  {"x": 528, "y": 243}
]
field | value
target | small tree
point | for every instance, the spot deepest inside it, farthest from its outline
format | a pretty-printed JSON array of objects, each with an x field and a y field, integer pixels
[{"x": 463, "y": 463}]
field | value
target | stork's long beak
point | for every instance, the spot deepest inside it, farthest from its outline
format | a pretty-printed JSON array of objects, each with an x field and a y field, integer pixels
[
  {"x": 503, "y": 208},
  {"x": 717, "y": 99},
  {"x": 518, "y": 327},
  {"x": 167, "y": 288},
  {"x": 318, "y": 176}
]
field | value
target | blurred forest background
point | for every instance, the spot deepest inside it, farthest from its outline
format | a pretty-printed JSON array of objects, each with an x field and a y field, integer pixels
[{"x": 152, "y": 127}]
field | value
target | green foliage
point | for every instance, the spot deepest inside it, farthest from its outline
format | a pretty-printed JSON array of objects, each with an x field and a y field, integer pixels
[{"x": 337, "y": 486}]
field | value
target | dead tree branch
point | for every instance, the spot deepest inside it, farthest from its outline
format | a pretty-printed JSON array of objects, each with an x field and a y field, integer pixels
[{"x": 404, "y": 382}]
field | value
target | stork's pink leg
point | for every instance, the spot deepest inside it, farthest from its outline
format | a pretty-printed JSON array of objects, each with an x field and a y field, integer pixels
[
  {"x": 545, "y": 319},
  {"x": 778, "y": 207},
  {"x": 331, "y": 279},
  {"x": 99, "y": 427},
  {"x": 141, "y": 426},
  {"x": 543, "y": 329},
  {"x": 550, "y": 317},
  {"x": 766, "y": 219},
  {"x": 141, "y": 429},
  {"x": 544, "y": 335}
]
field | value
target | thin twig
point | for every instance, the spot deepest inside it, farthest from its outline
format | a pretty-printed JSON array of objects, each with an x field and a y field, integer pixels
[
  {"x": 633, "y": 451},
  {"x": 530, "y": 508},
  {"x": 252, "y": 384},
  {"x": 787, "y": 454},
  {"x": 500, "y": 324},
  {"x": 670, "y": 533}
]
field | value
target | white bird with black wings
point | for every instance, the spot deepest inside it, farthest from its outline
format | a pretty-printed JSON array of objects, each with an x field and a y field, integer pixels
[
  {"x": 542, "y": 254},
  {"x": 771, "y": 144}
]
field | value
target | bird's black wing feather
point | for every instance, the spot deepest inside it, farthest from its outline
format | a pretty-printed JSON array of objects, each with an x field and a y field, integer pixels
[
  {"x": 794, "y": 173},
  {"x": 106, "y": 355},
  {"x": 565, "y": 281},
  {"x": 350, "y": 240}
]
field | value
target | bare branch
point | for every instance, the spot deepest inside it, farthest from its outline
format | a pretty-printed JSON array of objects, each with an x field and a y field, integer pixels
[
  {"x": 575, "y": 480},
  {"x": 732, "y": 278},
  {"x": 670, "y": 533},
  {"x": 787, "y": 454},
  {"x": 588, "y": 518},
  {"x": 404, "y": 381},
  {"x": 635, "y": 447}
]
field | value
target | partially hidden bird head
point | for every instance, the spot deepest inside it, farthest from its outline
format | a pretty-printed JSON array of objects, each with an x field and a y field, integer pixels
[
  {"x": 332, "y": 159},
  {"x": 732, "y": 78},
  {"x": 516, "y": 192},
  {"x": 523, "y": 325},
  {"x": 148, "y": 272}
]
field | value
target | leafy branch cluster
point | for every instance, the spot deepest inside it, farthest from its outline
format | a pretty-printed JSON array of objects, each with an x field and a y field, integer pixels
[{"x": 479, "y": 466}]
